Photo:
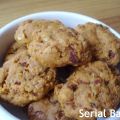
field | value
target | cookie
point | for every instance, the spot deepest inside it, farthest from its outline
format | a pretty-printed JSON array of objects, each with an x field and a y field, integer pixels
[
  {"x": 53, "y": 44},
  {"x": 106, "y": 46},
  {"x": 14, "y": 49},
  {"x": 24, "y": 80},
  {"x": 46, "y": 109},
  {"x": 91, "y": 87},
  {"x": 34, "y": 29}
]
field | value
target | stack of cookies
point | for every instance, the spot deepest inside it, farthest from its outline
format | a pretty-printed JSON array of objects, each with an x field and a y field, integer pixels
[{"x": 56, "y": 70}]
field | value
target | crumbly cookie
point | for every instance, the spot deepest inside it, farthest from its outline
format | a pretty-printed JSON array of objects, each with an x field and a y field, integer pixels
[
  {"x": 105, "y": 45},
  {"x": 24, "y": 80},
  {"x": 91, "y": 87},
  {"x": 14, "y": 49},
  {"x": 53, "y": 44},
  {"x": 33, "y": 30},
  {"x": 46, "y": 109}
]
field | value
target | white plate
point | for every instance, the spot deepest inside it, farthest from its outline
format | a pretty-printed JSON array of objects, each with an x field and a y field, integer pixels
[{"x": 6, "y": 38}]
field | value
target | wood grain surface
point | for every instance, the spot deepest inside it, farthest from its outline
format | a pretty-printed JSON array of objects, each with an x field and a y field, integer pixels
[{"x": 107, "y": 11}]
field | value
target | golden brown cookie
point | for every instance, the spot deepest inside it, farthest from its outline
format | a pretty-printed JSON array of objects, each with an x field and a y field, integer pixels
[
  {"x": 46, "y": 109},
  {"x": 35, "y": 29},
  {"x": 14, "y": 49},
  {"x": 91, "y": 87},
  {"x": 53, "y": 44},
  {"x": 106, "y": 46},
  {"x": 24, "y": 80}
]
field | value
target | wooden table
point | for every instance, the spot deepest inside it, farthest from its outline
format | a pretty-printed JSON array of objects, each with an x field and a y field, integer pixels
[{"x": 107, "y": 11}]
